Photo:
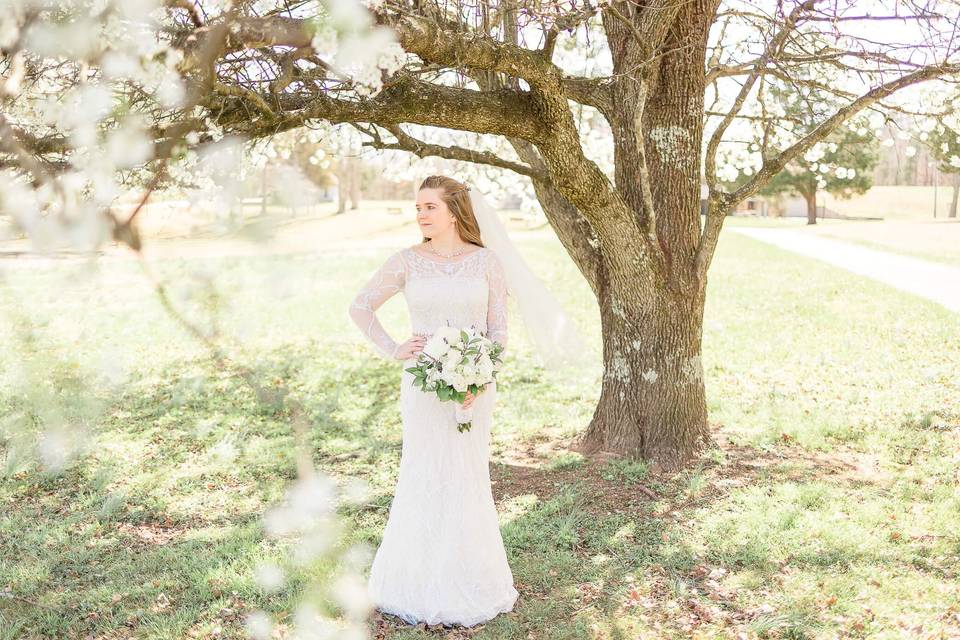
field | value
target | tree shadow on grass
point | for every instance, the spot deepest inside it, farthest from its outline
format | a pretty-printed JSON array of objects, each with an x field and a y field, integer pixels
[
  {"x": 103, "y": 548},
  {"x": 598, "y": 543},
  {"x": 592, "y": 543}
]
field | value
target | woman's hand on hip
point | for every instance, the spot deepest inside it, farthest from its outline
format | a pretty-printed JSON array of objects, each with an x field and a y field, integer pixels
[{"x": 411, "y": 348}]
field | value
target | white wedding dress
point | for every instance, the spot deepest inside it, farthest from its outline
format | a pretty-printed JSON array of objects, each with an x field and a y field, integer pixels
[{"x": 442, "y": 558}]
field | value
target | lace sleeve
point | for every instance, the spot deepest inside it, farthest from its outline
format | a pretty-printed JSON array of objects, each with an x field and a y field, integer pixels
[
  {"x": 496, "y": 300},
  {"x": 388, "y": 280}
]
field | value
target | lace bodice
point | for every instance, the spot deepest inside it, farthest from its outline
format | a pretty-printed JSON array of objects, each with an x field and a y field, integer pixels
[{"x": 471, "y": 290}]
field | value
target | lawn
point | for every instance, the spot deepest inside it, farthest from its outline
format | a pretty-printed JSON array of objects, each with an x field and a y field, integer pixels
[
  {"x": 933, "y": 240},
  {"x": 828, "y": 508},
  {"x": 894, "y": 202}
]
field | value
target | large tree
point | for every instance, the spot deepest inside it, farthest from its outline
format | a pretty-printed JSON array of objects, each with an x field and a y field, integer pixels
[{"x": 674, "y": 76}]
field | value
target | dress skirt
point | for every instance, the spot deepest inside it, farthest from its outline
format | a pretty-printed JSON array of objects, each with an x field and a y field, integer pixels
[{"x": 442, "y": 559}]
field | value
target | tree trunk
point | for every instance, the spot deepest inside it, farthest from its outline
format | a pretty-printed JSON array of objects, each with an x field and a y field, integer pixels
[
  {"x": 356, "y": 175},
  {"x": 956, "y": 193},
  {"x": 348, "y": 178},
  {"x": 811, "y": 198},
  {"x": 343, "y": 185},
  {"x": 653, "y": 400}
]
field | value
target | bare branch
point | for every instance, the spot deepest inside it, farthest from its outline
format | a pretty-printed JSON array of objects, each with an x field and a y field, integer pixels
[
  {"x": 406, "y": 142},
  {"x": 776, "y": 45},
  {"x": 721, "y": 203}
]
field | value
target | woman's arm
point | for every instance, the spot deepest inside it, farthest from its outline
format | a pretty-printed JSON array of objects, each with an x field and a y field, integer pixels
[{"x": 388, "y": 280}]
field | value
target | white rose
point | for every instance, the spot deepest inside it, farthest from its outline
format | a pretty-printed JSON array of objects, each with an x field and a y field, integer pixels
[
  {"x": 451, "y": 359},
  {"x": 486, "y": 369},
  {"x": 436, "y": 347},
  {"x": 452, "y": 334},
  {"x": 459, "y": 383}
]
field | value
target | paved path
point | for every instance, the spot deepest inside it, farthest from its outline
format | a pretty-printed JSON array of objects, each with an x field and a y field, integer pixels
[{"x": 930, "y": 280}]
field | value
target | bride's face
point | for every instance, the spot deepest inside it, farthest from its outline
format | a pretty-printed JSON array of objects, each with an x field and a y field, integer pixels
[{"x": 433, "y": 215}]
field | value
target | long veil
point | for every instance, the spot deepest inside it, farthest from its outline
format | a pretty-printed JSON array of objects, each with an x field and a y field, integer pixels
[{"x": 554, "y": 334}]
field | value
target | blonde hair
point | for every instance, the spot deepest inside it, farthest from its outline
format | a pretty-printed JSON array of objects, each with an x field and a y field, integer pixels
[{"x": 455, "y": 195}]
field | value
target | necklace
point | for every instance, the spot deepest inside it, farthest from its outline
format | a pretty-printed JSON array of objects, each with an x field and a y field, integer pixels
[{"x": 452, "y": 255}]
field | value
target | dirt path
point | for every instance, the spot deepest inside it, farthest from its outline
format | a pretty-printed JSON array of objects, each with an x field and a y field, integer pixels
[{"x": 933, "y": 281}]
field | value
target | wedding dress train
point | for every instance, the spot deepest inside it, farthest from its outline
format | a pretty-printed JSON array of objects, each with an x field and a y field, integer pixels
[{"x": 442, "y": 558}]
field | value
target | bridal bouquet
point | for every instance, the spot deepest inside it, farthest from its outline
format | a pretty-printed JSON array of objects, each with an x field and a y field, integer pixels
[{"x": 455, "y": 361}]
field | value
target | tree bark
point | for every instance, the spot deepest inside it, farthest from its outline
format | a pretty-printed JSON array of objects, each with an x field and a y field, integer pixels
[
  {"x": 348, "y": 184},
  {"x": 653, "y": 400},
  {"x": 811, "y": 199},
  {"x": 956, "y": 193}
]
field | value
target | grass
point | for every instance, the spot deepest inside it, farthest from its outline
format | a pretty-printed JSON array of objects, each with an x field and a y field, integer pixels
[
  {"x": 894, "y": 202},
  {"x": 937, "y": 241},
  {"x": 829, "y": 507},
  {"x": 907, "y": 228}
]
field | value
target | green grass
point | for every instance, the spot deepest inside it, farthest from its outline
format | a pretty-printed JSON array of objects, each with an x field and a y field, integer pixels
[{"x": 829, "y": 508}]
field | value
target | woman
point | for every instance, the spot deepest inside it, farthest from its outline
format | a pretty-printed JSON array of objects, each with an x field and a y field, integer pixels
[{"x": 442, "y": 558}]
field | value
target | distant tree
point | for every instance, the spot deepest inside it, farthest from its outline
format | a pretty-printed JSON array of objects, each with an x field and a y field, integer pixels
[
  {"x": 944, "y": 144},
  {"x": 842, "y": 163}
]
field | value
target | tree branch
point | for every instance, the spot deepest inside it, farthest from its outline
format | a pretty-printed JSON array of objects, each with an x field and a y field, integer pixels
[
  {"x": 425, "y": 38},
  {"x": 405, "y": 99},
  {"x": 776, "y": 45},
  {"x": 406, "y": 142},
  {"x": 721, "y": 203}
]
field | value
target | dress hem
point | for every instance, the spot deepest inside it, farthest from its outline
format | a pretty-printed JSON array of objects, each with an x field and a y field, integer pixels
[{"x": 505, "y": 607}]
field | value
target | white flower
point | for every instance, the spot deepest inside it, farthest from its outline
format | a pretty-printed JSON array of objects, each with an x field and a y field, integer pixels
[
  {"x": 459, "y": 382},
  {"x": 814, "y": 154},
  {"x": 439, "y": 343},
  {"x": 436, "y": 348},
  {"x": 450, "y": 333},
  {"x": 486, "y": 368},
  {"x": 450, "y": 360},
  {"x": 447, "y": 375}
]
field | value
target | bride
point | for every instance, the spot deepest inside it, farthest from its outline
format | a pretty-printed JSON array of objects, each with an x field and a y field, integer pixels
[{"x": 442, "y": 559}]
